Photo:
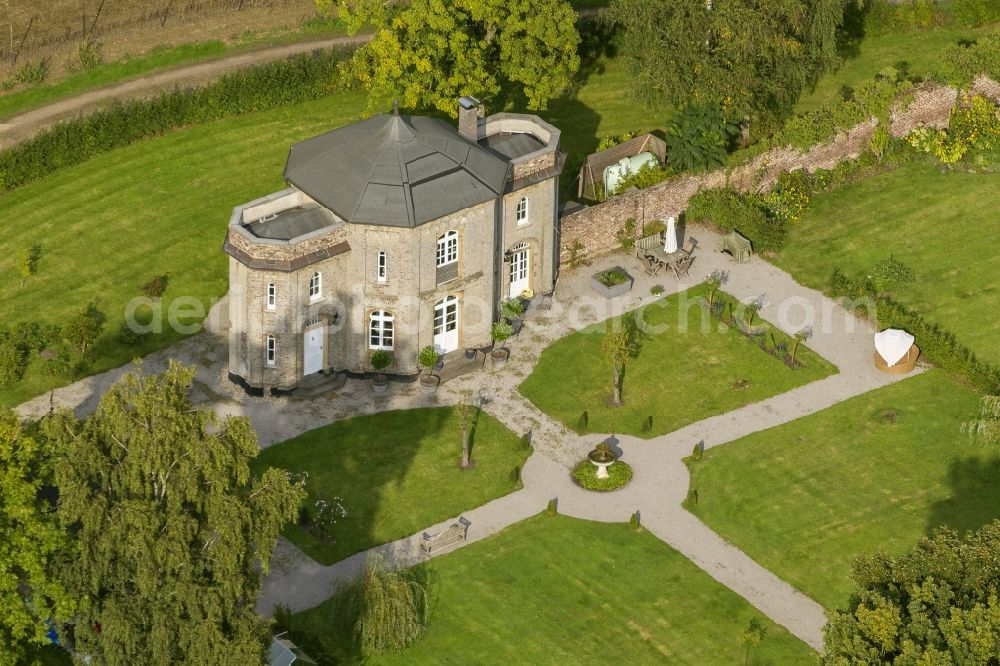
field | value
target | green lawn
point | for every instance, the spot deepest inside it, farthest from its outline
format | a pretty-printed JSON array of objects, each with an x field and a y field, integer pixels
[
  {"x": 876, "y": 472},
  {"x": 557, "y": 590},
  {"x": 915, "y": 53},
  {"x": 682, "y": 375},
  {"x": 933, "y": 222},
  {"x": 162, "y": 205},
  {"x": 397, "y": 473}
]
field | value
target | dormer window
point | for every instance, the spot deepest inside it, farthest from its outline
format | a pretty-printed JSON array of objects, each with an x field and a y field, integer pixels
[
  {"x": 521, "y": 211},
  {"x": 315, "y": 287},
  {"x": 381, "y": 268},
  {"x": 272, "y": 296}
]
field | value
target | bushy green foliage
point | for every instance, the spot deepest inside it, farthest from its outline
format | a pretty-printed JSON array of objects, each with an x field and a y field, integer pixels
[
  {"x": 936, "y": 604},
  {"x": 83, "y": 327},
  {"x": 889, "y": 274},
  {"x": 882, "y": 17},
  {"x": 960, "y": 64},
  {"x": 155, "y": 286},
  {"x": 429, "y": 357},
  {"x": 30, "y": 543},
  {"x": 975, "y": 12},
  {"x": 698, "y": 136},
  {"x": 501, "y": 331},
  {"x": 32, "y": 72},
  {"x": 380, "y": 360},
  {"x": 974, "y": 126},
  {"x": 274, "y": 84},
  {"x": 428, "y": 53},
  {"x": 937, "y": 344},
  {"x": 654, "y": 227},
  {"x": 585, "y": 476},
  {"x": 12, "y": 364},
  {"x": 613, "y": 140},
  {"x": 755, "y": 57},
  {"x": 646, "y": 176},
  {"x": 171, "y": 530},
  {"x": 730, "y": 209},
  {"x": 388, "y": 607}
]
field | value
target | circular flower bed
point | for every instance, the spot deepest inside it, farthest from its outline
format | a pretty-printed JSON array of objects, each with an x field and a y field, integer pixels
[{"x": 585, "y": 476}]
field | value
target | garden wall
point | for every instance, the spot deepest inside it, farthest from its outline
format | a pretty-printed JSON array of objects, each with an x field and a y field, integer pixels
[{"x": 592, "y": 230}]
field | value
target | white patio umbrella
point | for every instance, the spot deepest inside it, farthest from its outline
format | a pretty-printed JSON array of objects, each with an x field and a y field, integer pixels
[
  {"x": 670, "y": 244},
  {"x": 892, "y": 345}
]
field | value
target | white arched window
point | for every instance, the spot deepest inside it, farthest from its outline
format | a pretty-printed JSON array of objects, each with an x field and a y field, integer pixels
[
  {"x": 380, "y": 330},
  {"x": 272, "y": 296},
  {"x": 316, "y": 287},
  {"x": 381, "y": 268},
  {"x": 447, "y": 249},
  {"x": 521, "y": 212},
  {"x": 270, "y": 351}
]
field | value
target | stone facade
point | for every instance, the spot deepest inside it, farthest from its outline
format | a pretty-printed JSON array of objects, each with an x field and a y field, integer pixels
[
  {"x": 270, "y": 279},
  {"x": 592, "y": 230}
]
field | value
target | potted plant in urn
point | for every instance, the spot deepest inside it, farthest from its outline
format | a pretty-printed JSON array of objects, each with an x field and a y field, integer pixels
[
  {"x": 428, "y": 358},
  {"x": 380, "y": 360},
  {"x": 511, "y": 310},
  {"x": 500, "y": 332}
]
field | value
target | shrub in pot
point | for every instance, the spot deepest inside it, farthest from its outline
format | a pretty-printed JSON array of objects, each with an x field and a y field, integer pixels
[
  {"x": 511, "y": 310},
  {"x": 428, "y": 358},
  {"x": 500, "y": 332},
  {"x": 380, "y": 360}
]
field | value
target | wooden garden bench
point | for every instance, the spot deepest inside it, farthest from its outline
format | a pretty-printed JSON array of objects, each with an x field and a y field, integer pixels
[{"x": 450, "y": 536}]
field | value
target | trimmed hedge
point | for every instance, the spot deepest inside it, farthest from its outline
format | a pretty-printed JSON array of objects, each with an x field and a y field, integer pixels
[
  {"x": 938, "y": 344},
  {"x": 280, "y": 83}
]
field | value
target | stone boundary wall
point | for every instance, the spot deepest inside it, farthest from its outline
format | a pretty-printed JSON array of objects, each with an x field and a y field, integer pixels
[{"x": 595, "y": 227}]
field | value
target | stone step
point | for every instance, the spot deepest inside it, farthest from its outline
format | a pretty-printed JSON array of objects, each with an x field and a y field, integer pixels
[{"x": 319, "y": 383}]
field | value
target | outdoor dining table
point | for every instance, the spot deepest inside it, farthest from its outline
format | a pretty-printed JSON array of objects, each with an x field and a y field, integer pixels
[{"x": 668, "y": 259}]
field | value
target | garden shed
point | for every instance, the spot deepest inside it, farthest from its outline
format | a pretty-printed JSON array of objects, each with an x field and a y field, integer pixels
[{"x": 592, "y": 171}]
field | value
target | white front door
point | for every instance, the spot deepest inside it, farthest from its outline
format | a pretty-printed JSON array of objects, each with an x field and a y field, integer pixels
[
  {"x": 312, "y": 350},
  {"x": 519, "y": 272},
  {"x": 446, "y": 324}
]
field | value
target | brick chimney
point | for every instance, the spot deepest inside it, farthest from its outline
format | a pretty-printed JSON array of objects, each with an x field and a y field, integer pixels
[{"x": 469, "y": 112}]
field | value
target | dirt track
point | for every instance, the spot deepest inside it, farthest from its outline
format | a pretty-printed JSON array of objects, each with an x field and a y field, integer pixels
[{"x": 24, "y": 125}]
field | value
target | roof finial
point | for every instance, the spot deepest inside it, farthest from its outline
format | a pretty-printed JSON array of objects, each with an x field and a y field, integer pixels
[{"x": 395, "y": 107}]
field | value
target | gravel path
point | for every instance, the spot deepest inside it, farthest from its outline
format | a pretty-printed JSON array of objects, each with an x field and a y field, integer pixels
[{"x": 660, "y": 481}]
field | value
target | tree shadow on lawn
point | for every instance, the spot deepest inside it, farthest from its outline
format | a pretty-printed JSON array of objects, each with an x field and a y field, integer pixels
[
  {"x": 975, "y": 496},
  {"x": 366, "y": 461}
]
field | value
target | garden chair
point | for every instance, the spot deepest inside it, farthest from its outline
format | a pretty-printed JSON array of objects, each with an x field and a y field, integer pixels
[
  {"x": 693, "y": 243},
  {"x": 652, "y": 266},
  {"x": 682, "y": 266}
]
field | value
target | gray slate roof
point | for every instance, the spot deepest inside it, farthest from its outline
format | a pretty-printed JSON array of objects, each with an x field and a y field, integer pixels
[{"x": 394, "y": 170}]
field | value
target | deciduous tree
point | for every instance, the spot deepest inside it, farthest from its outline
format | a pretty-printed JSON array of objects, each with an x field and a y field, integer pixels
[
  {"x": 937, "y": 604},
  {"x": 170, "y": 529},
  {"x": 753, "y": 56},
  {"x": 621, "y": 343},
  {"x": 30, "y": 541},
  {"x": 83, "y": 327},
  {"x": 428, "y": 53}
]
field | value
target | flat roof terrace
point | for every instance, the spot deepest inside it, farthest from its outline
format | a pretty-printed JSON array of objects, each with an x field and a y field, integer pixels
[
  {"x": 512, "y": 145},
  {"x": 292, "y": 222}
]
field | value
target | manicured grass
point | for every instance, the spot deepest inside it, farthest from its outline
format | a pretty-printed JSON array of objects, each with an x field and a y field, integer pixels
[
  {"x": 935, "y": 223},
  {"x": 162, "y": 205},
  {"x": 557, "y": 590},
  {"x": 915, "y": 53},
  {"x": 397, "y": 473},
  {"x": 872, "y": 473},
  {"x": 158, "y": 206},
  {"x": 682, "y": 375}
]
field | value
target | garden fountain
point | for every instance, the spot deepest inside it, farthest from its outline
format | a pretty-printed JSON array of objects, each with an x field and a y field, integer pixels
[{"x": 602, "y": 458}]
